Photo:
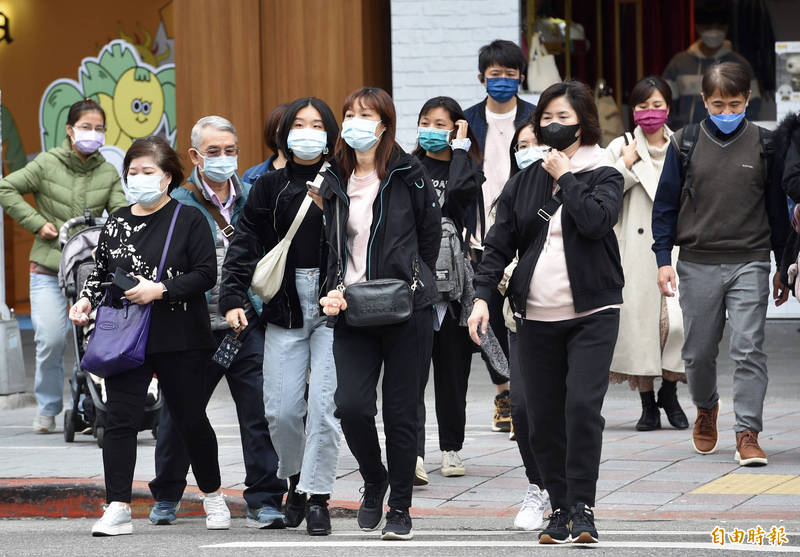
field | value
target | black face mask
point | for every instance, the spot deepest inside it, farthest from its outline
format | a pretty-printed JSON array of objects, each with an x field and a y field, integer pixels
[{"x": 558, "y": 136}]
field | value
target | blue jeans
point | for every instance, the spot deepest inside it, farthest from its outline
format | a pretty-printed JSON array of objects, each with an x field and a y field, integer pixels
[
  {"x": 50, "y": 326},
  {"x": 311, "y": 448}
]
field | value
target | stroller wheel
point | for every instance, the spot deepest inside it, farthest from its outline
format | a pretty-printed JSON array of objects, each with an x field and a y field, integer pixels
[
  {"x": 154, "y": 431},
  {"x": 69, "y": 427},
  {"x": 100, "y": 433}
]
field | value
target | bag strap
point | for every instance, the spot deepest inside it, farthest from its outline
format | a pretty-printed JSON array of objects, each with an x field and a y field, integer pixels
[
  {"x": 685, "y": 149},
  {"x": 547, "y": 210},
  {"x": 301, "y": 213},
  {"x": 169, "y": 239},
  {"x": 339, "y": 266},
  {"x": 767, "y": 140},
  {"x": 224, "y": 226}
]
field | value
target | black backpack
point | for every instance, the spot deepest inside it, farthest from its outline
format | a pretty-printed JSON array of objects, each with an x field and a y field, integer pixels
[
  {"x": 450, "y": 263},
  {"x": 688, "y": 142}
]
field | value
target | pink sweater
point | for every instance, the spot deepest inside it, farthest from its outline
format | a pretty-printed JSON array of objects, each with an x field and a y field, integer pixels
[
  {"x": 362, "y": 193},
  {"x": 549, "y": 294}
]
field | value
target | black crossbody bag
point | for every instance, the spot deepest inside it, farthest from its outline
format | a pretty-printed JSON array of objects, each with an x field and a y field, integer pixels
[{"x": 373, "y": 303}]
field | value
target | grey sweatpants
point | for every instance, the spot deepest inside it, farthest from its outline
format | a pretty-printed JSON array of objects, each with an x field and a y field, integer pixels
[{"x": 706, "y": 291}]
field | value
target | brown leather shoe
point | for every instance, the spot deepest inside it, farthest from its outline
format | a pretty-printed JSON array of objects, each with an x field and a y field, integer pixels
[
  {"x": 748, "y": 452},
  {"x": 704, "y": 436}
]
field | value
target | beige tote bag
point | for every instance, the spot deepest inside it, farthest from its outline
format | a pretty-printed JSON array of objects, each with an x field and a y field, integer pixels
[{"x": 542, "y": 70}]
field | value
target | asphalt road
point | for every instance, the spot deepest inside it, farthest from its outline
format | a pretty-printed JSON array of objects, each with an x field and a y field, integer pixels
[{"x": 456, "y": 537}]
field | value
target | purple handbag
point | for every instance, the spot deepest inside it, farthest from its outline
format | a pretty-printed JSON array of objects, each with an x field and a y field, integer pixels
[{"x": 119, "y": 339}]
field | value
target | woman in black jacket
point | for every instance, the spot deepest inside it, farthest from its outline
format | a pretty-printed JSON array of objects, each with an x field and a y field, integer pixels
[
  {"x": 450, "y": 154},
  {"x": 390, "y": 223},
  {"x": 305, "y": 434},
  {"x": 559, "y": 214}
]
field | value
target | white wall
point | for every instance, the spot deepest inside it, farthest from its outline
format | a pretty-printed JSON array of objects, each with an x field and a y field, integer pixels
[{"x": 435, "y": 47}]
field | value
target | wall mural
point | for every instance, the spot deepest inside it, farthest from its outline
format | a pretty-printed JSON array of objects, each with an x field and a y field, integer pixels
[{"x": 138, "y": 99}]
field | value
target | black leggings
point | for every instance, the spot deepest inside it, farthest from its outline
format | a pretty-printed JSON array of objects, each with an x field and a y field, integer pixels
[
  {"x": 183, "y": 385},
  {"x": 565, "y": 367}
]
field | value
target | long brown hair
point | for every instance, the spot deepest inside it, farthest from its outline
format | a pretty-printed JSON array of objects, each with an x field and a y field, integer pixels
[{"x": 379, "y": 101}]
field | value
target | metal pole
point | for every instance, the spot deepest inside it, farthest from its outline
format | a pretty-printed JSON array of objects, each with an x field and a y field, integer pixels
[{"x": 5, "y": 314}]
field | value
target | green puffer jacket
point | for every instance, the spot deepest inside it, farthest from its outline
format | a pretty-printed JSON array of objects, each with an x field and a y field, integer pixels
[{"x": 64, "y": 186}]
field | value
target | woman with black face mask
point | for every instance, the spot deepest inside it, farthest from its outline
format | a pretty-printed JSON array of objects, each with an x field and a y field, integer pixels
[{"x": 559, "y": 215}]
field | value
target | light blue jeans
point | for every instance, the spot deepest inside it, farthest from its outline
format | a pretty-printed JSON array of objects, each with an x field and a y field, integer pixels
[
  {"x": 50, "y": 326},
  {"x": 312, "y": 450}
]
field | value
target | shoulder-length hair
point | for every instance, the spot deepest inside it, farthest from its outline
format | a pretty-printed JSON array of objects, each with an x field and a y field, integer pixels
[
  {"x": 162, "y": 153},
  {"x": 529, "y": 121},
  {"x": 378, "y": 100},
  {"x": 581, "y": 100},
  {"x": 455, "y": 113},
  {"x": 328, "y": 122}
]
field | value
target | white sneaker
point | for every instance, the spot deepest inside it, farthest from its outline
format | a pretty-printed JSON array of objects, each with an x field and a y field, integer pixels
[
  {"x": 116, "y": 520},
  {"x": 420, "y": 476},
  {"x": 452, "y": 465},
  {"x": 531, "y": 514},
  {"x": 218, "y": 517},
  {"x": 44, "y": 424}
]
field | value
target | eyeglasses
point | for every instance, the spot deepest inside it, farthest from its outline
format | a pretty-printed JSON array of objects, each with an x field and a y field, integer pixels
[
  {"x": 214, "y": 152},
  {"x": 88, "y": 128}
]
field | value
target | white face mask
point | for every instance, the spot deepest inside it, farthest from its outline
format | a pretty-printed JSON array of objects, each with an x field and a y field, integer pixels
[
  {"x": 144, "y": 189},
  {"x": 713, "y": 38}
]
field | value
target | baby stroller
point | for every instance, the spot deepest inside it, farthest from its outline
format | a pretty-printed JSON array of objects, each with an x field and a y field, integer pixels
[{"x": 88, "y": 412}]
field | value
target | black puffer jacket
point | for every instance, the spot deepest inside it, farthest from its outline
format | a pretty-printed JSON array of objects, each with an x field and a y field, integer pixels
[
  {"x": 264, "y": 221},
  {"x": 406, "y": 226},
  {"x": 592, "y": 202}
]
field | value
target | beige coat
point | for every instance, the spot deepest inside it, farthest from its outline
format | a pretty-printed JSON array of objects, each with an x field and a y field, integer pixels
[{"x": 638, "y": 350}]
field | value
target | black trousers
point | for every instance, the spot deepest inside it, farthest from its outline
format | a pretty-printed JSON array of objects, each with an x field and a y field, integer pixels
[
  {"x": 498, "y": 325},
  {"x": 183, "y": 385},
  {"x": 403, "y": 350},
  {"x": 245, "y": 381},
  {"x": 565, "y": 367},
  {"x": 519, "y": 413},
  {"x": 452, "y": 358}
]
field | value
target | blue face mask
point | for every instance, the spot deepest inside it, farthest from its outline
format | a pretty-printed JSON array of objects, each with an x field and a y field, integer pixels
[
  {"x": 528, "y": 156},
  {"x": 144, "y": 189},
  {"x": 502, "y": 89},
  {"x": 219, "y": 169},
  {"x": 307, "y": 143},
  {"x": 359, "y": 133},
  {"x": 433, "y": 139},
  {"x": 727, "y": 123}
]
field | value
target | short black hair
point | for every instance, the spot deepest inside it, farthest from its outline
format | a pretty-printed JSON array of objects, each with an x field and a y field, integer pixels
[
  {"x": 162, "y": 153},
  {"x": 646, "y": 86},
  {"x": 271, "y": 126},
  {"x": 328, "y": 122},
  {"x": 529, "y": 121},
  {"x": 501, "y": 53},
  {"x": 79, "y": 108},
  {"x": 581, "y": 100},
  {"x": 729, "y": 78},
  {"x": 710, "y": 12},
  {"x": 456, "y": 113}
]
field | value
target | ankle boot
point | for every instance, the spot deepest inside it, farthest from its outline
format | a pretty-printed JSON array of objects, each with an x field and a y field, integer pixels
[
  {"x": 651, "y": 416},
  {"x": 318, "y": 518},
  {"x": 668, "y": 400}
]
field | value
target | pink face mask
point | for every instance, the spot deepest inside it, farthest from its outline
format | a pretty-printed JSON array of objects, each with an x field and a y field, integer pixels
[{"x": 650, "y": 120}]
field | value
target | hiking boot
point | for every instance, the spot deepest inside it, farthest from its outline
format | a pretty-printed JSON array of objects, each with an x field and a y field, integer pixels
[
  {"x": 318, "y": 518},
  {"x": 116, "y": 520},
  {"x": 398, "y": 526},
  {"x": 668, "y": 400},
  {"x": 705, "y": 435},
  {"x": 531, "y": 513},
  {"x": 502, "y": 412},
  {"x": 748, "y": 452},
  {"x": 44, "y": 424},
  {"x": 581, "y": 524},
  {"x": 452, "y": 465},
  {"x": 294, "y": 509},
  {"x": 557, "y": 530},
  {"x": 651, "y": 415},
  {"x": 370, "y": 513},
  {"x": 218, "y": 517},
  {"x": 420, "y": 476},
  {"x": 164, "y": 512}
]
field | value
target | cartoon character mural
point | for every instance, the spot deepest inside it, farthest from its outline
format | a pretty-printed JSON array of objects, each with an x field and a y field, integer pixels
[{"x": 138, "y": 99}]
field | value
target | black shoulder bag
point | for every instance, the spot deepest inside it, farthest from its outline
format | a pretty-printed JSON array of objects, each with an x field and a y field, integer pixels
[{"x": 373, "y": 303}]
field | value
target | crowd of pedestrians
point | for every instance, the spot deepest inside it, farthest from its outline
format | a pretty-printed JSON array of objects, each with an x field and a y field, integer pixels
[{"x": 343, "y": 263}]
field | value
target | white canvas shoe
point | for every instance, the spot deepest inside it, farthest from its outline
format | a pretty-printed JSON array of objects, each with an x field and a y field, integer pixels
[{"x": 218, "y": 517}]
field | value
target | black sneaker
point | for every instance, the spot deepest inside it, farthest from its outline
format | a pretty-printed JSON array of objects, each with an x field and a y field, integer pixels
[
  {"x": 557, "y": 530},
  {"x": 370, "y": 512},
  {"x": 398, "y": 526},
  {"x": 295, "y": 508},
  {"x": 581, "y": 524},
  {"x": 318, "y": 519}
]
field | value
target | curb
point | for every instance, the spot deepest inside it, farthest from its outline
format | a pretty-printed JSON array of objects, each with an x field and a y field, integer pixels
[{"x": 16, "y": 400}]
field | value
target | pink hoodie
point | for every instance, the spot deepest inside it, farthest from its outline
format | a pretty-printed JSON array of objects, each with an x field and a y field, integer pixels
[{"x": 550, "y": 295}]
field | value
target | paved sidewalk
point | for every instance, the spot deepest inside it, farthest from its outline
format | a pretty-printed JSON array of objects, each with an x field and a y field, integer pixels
[{"x": 643, "y": 476}]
